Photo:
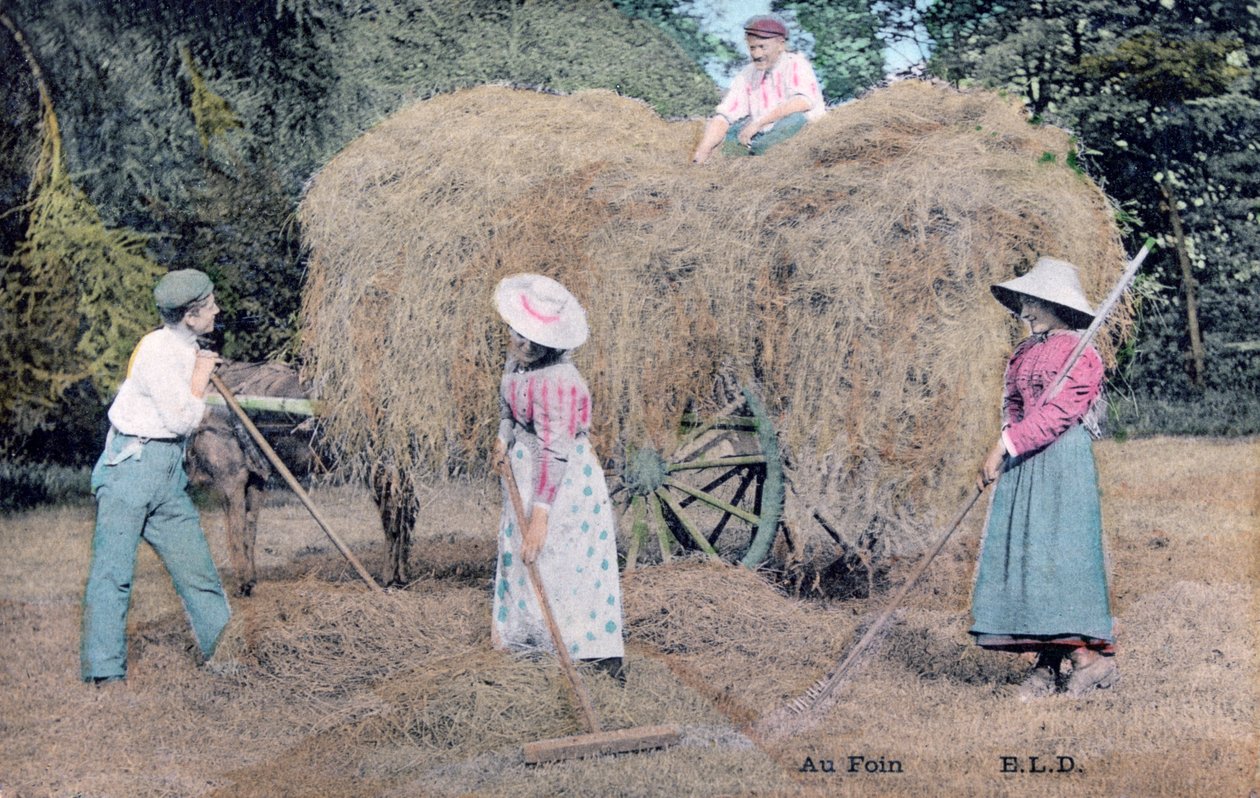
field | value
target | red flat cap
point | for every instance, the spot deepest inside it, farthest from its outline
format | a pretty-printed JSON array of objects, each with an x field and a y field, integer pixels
[{"x": 765, "y": 27}]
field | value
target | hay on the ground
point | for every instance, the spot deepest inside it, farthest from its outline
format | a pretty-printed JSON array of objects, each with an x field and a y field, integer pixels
[{"x": 844, "y": 277}]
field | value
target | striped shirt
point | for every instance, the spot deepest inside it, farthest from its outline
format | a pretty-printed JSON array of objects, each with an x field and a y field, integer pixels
[
  {"x": 553, "y": 406},
  {"x": 754, "y": 91}
]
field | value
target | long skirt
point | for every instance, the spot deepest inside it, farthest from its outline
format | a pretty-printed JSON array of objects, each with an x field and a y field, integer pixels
[
  {"x": 1042, "y": 576},
  {"x": 578, "y": 562}
]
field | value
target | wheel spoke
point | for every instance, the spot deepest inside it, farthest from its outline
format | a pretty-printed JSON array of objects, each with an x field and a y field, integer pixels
[
  {"x": 722, "y": 422},
  {"x": 684, "y": 449},
  {"x": 700, "y": 540},
  {"x": 662, "y": 531},
  {"x": 638, "y": 532},
  {"x": 749, "y": 476},
  {"x": 720, "y": 462},
  {"x": 708, "y": 488},
  {"x": 710, "y": 499}
]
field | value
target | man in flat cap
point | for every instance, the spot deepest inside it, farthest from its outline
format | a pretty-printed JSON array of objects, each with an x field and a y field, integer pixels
[
  {"x": 769, "y": 101},
  {"x": 139, "y": 481}
]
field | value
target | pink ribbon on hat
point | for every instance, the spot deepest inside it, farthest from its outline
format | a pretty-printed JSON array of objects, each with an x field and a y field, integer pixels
[{"x": 541, "y": 317}]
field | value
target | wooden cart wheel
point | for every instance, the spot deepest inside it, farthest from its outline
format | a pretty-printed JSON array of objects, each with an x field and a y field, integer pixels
[{"x": 720, "y": 491}]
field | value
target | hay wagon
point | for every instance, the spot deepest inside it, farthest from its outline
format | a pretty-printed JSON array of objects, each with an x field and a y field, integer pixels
[{"x": 794, "y": 359}]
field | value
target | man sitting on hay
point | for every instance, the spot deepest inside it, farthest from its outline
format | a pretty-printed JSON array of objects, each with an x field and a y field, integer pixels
[{"x": 769, "y": 101}]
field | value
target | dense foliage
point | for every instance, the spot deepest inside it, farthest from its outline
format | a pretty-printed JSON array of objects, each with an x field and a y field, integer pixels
[
  {"x": 177, "y": 134},
  {"x": 1163, "y": 96},
  {"x": 72, "y": 294},
  {"x": 847, "y": 53}
]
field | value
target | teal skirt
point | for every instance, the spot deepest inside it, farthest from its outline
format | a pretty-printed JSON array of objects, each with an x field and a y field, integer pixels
[{"x": 1042, "y": 575}]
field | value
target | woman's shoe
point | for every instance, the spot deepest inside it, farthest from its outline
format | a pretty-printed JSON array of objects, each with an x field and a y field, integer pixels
[
  {"x": 1100, "y": 674},
  {"x": 613, "y": 666},
  {"x": 1040, "y": 682}
]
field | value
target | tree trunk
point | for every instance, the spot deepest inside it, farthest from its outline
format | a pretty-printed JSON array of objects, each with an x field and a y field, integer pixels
[{"x": 1197, "y": 358}]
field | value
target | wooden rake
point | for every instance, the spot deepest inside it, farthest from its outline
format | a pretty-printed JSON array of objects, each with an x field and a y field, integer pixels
[{"x": 596, "y": 741}]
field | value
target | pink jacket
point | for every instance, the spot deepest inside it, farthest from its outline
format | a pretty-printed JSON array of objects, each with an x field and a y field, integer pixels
[{"x": 1028, "y": 423}]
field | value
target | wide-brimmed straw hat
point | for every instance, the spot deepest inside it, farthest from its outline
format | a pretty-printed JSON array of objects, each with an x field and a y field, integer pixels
[
  {"x": 542, "y": 310},
  {"x": 1053, "y": 281}
]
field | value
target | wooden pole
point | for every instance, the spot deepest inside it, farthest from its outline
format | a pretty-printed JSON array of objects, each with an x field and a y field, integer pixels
[
  {"x": 269, "y": 404},
  {"x": 535, "y": 579},
  {"x": 290, "y": 480}
]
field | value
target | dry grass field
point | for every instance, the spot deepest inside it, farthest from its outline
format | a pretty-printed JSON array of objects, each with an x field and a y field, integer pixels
[{"x": 328, "y": 690}]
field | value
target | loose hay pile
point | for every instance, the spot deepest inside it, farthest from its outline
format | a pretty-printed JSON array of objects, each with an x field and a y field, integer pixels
[
  {"x": 731, "y": 636},
  {"x": 406, "y": 689},
  {"x": 844, "y": 276}
]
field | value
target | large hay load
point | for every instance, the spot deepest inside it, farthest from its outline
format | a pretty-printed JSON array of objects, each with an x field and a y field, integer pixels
[{"x": 842, "y": 279}]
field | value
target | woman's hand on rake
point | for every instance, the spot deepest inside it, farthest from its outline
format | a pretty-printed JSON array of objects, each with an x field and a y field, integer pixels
[
  {"x": 535, "y": 534},
  {"x": 992, "y": 465}
]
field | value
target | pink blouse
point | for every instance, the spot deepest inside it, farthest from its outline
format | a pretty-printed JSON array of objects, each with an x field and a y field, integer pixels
[
  {"x": 552, "y": 405},
  {"x": 1028, "y": 423}
]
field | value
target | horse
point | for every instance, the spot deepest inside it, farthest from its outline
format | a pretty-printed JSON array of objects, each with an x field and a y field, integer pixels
[{"x": 223, "y": 457}]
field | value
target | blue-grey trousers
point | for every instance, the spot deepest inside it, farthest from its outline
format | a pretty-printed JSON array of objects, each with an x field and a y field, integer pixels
[
  {"x": 784, "y": 129},
  {"x": 141, "y": 492}
]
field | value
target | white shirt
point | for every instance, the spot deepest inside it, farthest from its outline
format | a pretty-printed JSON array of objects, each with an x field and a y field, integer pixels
[{"x": 156, "y": 398}]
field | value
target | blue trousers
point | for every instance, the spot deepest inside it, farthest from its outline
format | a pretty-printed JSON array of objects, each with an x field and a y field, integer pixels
[
  {"x": 141, "y": 492},
  {"x": 784, "y": 129}
]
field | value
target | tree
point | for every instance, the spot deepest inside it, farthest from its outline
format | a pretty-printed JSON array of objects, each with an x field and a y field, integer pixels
[
  {"x": 1162, "y": 96},
  {"x": 847, "y": 52},
  {"x": 190, "y": 129},
  {"x": 74, "y": 296},
  {"x": 681, "y": 22}
]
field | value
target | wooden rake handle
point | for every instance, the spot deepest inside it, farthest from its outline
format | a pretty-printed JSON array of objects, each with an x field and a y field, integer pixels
[
  {"x": 822, "y": 690},
  {"x": 230, "y": 400},
  {"x": 535, "y": 579}
]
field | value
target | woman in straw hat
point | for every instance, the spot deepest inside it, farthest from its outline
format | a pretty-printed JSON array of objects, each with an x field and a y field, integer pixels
[
  {"x": 545, "y": 415},
  {"x": 1041, "y": 582}
]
